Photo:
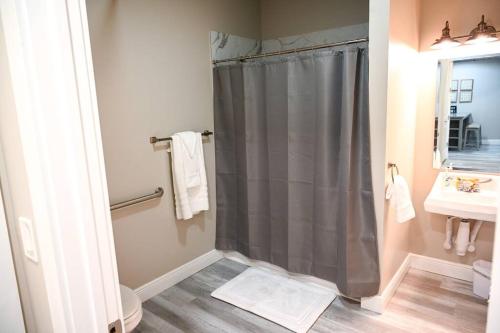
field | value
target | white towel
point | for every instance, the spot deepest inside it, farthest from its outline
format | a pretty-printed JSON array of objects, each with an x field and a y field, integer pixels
[
  {"x": 190, "y": 179},
  {"x": 400, "y": 196}
]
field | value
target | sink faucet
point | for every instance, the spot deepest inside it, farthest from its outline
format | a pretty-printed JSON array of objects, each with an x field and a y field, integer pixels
[{"x": 447, "y": 177}]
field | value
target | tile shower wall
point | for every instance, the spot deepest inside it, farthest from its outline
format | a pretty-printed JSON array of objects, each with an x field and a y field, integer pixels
[
  {"x": 225, "y": 46},
  {"x": 316, "y": 38}
]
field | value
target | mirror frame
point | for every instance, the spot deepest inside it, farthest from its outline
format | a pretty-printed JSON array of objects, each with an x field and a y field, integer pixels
[{"x": 430, "y": 60}]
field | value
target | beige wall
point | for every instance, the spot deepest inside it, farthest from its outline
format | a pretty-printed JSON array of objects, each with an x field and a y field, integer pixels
[
  {"x": 400, "y": 130},
  {"x": 15, "y": 190},
  {"x": 428, "y": 229},
  {"x": 153, "y": 76},
  {"x": 281, "y": 18}
]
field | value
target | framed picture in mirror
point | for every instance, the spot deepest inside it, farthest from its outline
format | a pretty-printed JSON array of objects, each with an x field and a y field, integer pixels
[
  {"x": 467, "y": 84},
  {"x": 453, "y": 96},
  {"x": 465, "y": 96}
]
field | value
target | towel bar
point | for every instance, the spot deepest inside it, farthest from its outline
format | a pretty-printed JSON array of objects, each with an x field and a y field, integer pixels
[
  {"x": 157, "y": 194},
  {"x": 154, "y": 139}
]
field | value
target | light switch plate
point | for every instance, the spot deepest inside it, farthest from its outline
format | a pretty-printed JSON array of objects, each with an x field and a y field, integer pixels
[{"x": 28, "y": 237}]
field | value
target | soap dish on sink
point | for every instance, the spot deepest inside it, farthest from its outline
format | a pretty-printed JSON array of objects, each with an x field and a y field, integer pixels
[{"x": 467, "y": 184}]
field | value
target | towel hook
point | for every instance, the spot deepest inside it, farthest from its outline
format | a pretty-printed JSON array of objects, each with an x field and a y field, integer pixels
[{"x": 393, "y": 166}]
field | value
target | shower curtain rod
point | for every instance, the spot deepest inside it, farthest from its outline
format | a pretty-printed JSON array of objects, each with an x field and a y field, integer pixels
[{"x": 300, "y": 49}]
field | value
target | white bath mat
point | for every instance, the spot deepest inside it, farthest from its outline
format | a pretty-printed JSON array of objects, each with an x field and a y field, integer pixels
[{"x": 274, "y": 296}]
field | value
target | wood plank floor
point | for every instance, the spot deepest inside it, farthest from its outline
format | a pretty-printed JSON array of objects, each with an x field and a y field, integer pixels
[
  {"x": 485, "y": 159},
  {"x": 424, "y": 302}
]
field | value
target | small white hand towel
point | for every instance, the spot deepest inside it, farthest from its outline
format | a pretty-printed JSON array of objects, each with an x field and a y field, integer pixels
[
  {"x": 189, "y": 175},
  {"x": 400, "y": 196}
]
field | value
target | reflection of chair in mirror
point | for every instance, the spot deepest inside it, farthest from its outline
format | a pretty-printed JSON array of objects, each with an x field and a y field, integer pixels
[
  {"x": 457, "y": 125},
  {"x": 474, "y": 129}
]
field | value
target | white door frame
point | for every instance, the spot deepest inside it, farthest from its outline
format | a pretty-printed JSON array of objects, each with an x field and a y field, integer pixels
[
  {"x": 443, "y": 99},
  {"x": 48, "y": 47},
  {"x": 493, "y": 323}
]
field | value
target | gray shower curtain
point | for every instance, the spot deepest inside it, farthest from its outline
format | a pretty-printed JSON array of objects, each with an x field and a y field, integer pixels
[{"x": 294, "y": 183}]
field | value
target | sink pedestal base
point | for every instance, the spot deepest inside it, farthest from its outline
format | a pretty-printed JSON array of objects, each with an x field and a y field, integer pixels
[
  {"x": 462, "y": 240},
  {"x": 465, "y": 239},
  {"x": 473, "y": 236}
]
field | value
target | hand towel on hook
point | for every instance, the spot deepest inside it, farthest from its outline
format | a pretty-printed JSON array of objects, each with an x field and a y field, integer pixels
[
  {"x": 189, "y": 175},
  {"x": 400, "y": 196}
]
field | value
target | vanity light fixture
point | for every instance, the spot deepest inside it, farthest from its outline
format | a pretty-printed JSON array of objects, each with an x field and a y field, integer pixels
[
  {"x": 483, "y": 33},
  {"x": 446, "y": 41}
]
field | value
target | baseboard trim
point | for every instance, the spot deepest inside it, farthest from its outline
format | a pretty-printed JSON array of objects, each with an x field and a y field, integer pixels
[
  {"x": 442, "y": 267},
  {"x": 376, "y": 303},
  {"x": 451, "y": 269},
  {"x": 175, "y": 276},
  {"x": 493, "y": 142},
  {"x": 379, "y": 302}
]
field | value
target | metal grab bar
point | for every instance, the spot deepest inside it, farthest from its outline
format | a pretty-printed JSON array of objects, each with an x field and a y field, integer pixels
[{"x": 158, "y": 194}]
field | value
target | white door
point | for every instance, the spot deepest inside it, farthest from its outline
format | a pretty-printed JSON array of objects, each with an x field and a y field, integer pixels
[
  {"x": 11, "y": 315},
  {"x": 50, "y": 63}
]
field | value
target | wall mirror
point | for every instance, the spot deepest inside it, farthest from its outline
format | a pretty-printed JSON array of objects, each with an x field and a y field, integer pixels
[{"x": 467, "y": 119}]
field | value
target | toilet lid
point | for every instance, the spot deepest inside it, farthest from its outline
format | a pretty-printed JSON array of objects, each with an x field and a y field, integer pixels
[{"x": 130, "y": 302}]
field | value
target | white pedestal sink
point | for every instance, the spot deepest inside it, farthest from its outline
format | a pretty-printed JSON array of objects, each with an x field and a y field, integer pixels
[
  {"x": 481, "y": 206},
  {"x": 447, "y": 200}
]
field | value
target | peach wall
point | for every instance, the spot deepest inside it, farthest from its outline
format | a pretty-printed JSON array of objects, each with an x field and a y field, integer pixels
[{"x": 427, "y": 231}]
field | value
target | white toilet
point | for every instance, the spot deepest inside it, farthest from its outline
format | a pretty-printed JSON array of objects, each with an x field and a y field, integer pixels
[{"x": 132, "y": 308}]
